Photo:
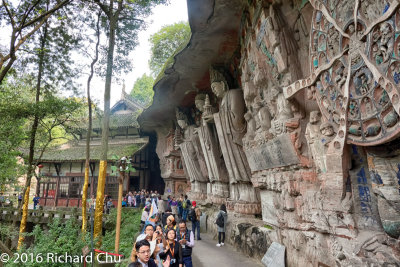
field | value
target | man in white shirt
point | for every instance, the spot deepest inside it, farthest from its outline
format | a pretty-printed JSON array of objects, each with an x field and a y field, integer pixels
[{"x": 186, "y": 239}]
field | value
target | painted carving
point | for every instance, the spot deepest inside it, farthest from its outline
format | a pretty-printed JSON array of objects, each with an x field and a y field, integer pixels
[
  {"x": 363, "y": 70},
  {"x": 353, "y": 78}
]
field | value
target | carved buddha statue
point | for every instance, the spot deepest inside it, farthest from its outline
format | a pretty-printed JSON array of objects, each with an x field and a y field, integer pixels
[
  {"x": 283, "y": 112},
  {"x": 218, "y": 187},
  {"x": 231, "y": 128},
  {"x": 314, "y": 140},
  {"x": 191, "y": 156},
  {"x": 199, "y": 102}
]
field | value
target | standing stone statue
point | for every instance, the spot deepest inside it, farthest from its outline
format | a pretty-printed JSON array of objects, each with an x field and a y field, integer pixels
[
  {"x": 318, "y": 136},
  {"x": 313, "y": 136},
  {"x": 218, "y": 189},
  {"x": 192, "y": 157},
  {"x": 231, "y": 128}
]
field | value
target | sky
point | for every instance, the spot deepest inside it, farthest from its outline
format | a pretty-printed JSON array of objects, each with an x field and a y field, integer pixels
[{"x": 163, "y": 15}]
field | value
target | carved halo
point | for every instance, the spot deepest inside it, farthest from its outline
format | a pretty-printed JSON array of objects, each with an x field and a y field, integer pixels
[{"x": 357, "y": 83}]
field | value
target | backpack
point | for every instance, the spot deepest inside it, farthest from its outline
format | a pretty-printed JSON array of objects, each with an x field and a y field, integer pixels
[
  {"x": 192, "y": 215},
  {"x": 198, "y": 214},
  {"x": 220, "y": 220},
  {"x": 184, "y": 204}
]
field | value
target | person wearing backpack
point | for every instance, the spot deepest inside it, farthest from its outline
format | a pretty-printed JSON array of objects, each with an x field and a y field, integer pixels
[
  {"x": 185, "y": 206},
  {"x": 194, "y": 216},
  {"x": 221, "y": 220},
  {"x": 180, "y": 206}
]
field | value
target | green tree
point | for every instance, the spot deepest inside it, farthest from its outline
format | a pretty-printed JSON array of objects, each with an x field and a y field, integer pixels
[
  {"x": 24, "y": 20},
  {"x": 143, "y": 90},
  {"x": 165, "y": 42},
  {"x": 12, "y": 120},
  {"x": 49, "y": 58},
  {"x": 123, "y": 20}
]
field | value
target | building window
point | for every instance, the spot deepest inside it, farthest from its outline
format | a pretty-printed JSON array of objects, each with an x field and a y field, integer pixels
[
  {"x": 76, "y": 186},
  {"x": 112, "y": 187}
]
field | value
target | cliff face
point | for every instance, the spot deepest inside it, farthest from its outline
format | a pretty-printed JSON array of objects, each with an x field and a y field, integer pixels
[{"x": 291, "y": 111}]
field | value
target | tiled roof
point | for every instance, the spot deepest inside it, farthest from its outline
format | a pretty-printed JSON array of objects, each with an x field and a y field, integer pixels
[
  {"x": 129, "y": 101},
  {"x": 78, "y": 153},
  {"x": 116, "y": 121},
  {"x": 133, "y": 101}
]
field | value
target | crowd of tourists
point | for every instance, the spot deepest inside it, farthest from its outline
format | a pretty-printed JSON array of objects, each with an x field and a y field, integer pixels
[
  {"x": 166, "y": 239},
  {"x": 143, "y": 197}
]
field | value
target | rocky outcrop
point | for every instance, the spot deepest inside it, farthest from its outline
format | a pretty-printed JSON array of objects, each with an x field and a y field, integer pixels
[{"x": 299, "y": 124}]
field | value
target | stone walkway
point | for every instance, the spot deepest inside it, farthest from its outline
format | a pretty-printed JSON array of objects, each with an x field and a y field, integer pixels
[{"x": 207, "y": 254}]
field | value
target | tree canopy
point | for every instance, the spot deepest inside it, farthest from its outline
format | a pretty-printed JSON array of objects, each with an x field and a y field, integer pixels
[
  {"x": 143, "y": 90},
  {"x": 165, "y": 42},
  {"x": 24, "y": 20},
  {"x": 56, "y": 117}
]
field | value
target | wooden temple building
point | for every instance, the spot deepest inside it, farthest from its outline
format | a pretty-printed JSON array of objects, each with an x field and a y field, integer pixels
[{"x": 62, "y": 176}]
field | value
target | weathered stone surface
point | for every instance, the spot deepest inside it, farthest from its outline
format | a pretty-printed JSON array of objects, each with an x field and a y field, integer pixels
[
  {"x": 245, "y": 233},
  {"x": 277, "y": 152},
  {"x": 269, "y": 203},
  {"x": 313, "y": 82},
  {"x": 275, "y": 256},
  {"x": 203, "y": 223}
]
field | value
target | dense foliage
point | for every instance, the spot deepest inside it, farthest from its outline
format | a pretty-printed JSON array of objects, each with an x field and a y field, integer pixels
[
  {"x": 12, "y": 121},
  {"x": 56, "y": 115},
  {"x": 59, "y": 239},
  {"x": 143, "y": 90},
  {"x": 22, "y": 19},
  {"x": 165, "y": 42},
  {"x": 130, "y": 227}
]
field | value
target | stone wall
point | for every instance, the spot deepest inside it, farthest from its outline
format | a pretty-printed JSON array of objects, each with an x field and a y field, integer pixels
[
  {"x": 297, "y": 123},
  {"x": 248, "y": 235}
]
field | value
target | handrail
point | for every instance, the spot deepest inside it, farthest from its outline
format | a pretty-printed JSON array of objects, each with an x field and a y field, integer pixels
[{"x": 41, "y": 215}]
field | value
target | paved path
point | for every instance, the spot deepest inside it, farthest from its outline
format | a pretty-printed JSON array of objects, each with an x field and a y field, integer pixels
[{"x": 207, "y": 254}]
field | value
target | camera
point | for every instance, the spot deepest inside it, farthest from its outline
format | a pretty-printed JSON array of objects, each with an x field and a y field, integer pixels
[{"x": 158, "y": 232}]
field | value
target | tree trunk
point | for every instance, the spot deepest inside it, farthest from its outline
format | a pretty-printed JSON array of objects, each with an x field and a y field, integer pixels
[
  {"x": 98, "y": 219},
  {"x": 89, "y": 131},
  {"x": 32, "y": 142},
  {"x": 37, "y": 186},
  {"x": 119, "y": 207},
  {"x": 57, "y": 166}
]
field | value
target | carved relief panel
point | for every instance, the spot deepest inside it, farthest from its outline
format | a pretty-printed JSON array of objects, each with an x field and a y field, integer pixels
[{"x": 355, "y": 68}]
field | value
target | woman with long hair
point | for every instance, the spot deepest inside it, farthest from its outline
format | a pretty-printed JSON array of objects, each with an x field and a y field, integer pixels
[
  {"x": 220, "y": 221},
  {"x": 173, "y": 249}
]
